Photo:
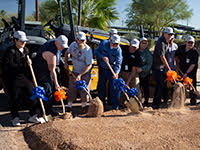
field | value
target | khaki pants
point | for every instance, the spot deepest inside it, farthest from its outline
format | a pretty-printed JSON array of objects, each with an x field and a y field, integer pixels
[
  {"x": 134, "y": 83},
  {"x": 73, "y": 90}
]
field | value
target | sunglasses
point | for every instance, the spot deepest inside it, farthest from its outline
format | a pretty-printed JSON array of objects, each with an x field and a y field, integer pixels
[
  {"x": 190, "y": 42},
  {"x": 144, "y": 43},
  {"x": 81, "y": 40},
  {"x": 21, "y": 41}
]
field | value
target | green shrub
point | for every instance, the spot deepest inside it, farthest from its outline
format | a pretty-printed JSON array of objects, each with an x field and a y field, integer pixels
[
  {"x": 179, "y": 42},
  {"x": 151, "y": 43}
]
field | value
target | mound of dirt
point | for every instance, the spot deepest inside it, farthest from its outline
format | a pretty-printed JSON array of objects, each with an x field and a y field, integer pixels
[{"x": 153, "y": 129}]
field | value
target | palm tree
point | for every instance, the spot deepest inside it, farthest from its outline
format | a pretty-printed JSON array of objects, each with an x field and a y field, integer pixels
[{"x": 95, "y": 13}]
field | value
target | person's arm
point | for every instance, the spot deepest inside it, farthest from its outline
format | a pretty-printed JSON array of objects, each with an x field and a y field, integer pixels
[
  {"x": 67, "y": 56},
  {"x": 51, "y": 61},
  {"x": 164, "y": 60},
  {"x": 132, "y": 75},
  {"x": 83, "y": 72},
  {"x": 194, "y": 62},
  {"x": 189, "y": 70},
  {"x": 118, "y": 62}
]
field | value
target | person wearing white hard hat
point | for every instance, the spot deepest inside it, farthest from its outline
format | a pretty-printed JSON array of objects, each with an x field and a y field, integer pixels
[
  {"x": 109, "y": 51},
  {"x": 187, "y": 62},
  {"x": 44, "y": 65},
  {"x": 160, "y": 65},
  {"x": 130, "y": 65},
  {"x": 82, "y": 60},
  {"x": 112, "y": 32},
  {"x": 17, "y": 79}
]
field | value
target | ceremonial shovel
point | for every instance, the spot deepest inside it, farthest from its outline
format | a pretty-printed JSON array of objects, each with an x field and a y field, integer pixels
[
  {"x": 195, "y": 91},
  {"x": 132, "y": 103},
  {"x": 49, "y": 117},
  {"x": 73, "y": 75}
]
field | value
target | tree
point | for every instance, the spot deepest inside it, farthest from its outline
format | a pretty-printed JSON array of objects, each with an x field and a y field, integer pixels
[
  {"x": 95, "y": 13},
  {"x": 157, "y": 14}
]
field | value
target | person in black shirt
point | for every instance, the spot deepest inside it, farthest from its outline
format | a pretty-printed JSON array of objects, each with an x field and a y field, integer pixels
[
  {"x": 130, "y": 66},
  {"x": 159, "y": 66},
  {"x": 44, "y": 65},
  {"x": 17, "y": 78},
  {"x": 187, "y": 62},
  {"x": 131, "y": 63}
]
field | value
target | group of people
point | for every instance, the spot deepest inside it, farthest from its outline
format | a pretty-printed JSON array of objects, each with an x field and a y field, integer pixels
[
  {"x": 168, "y": 56},
  {"x": 137, "y": 60},
  {"x": 17, "y": 75}
]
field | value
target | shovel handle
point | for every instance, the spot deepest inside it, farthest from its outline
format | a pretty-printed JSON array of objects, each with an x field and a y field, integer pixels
[
  {"x": 63, "y": 105},
  {"x": 111, "y": 69},
  {"x": 35, "y": 84}
]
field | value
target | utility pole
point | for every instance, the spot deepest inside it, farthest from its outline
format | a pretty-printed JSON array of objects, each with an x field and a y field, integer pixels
[
  {"x": 79, "y": 12},
  {"x": 37, "y": 10},
  {"x": 71, "y": 19},
  {"x": 21, "y": 14},
  {"x": 61, "y": 14}
]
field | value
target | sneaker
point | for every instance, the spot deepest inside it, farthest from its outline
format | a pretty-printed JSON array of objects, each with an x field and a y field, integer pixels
[
  {"x": 83, "y": 110},
  {"x": 34, "y": 119},
  {"x": 15, "y": 122},
  {"x": 41, "y": 119}
]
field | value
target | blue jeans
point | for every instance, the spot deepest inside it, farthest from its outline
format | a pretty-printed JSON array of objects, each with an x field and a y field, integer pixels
[{"x": 105, "y": 75}]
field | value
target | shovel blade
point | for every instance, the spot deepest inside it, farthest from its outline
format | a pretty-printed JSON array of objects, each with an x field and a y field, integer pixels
[
  {"x": 133, "y": 105},
  {"x": 48, "y": 118}
]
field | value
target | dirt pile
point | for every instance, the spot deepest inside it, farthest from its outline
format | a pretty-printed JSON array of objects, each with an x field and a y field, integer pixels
[{"x": 152, "y": 129}]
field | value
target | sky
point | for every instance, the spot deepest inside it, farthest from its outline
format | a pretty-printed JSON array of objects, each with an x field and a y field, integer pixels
[{"x": 10, "y": 6}]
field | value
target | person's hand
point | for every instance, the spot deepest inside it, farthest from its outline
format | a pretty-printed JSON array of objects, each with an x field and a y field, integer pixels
[
  {"x": 185, "y": 75},
  {"x": 29, "y": 62},
  {"x": 57, "y": 87},
  {"x": 78, "y": 77},
  {"x": 139, "y": 70},
  {"x": 115, "y": 76},
  {"x": 106, "y": 59},
  {"x": 127, "y": 83}
]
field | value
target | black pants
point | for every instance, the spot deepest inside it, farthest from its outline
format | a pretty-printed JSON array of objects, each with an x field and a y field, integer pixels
[
  {"x": 49, "y": 88},
  {"x": 160, "y": 90},
  {"x": 194, "y": 83},
  {"x": 19, "y": 95},
  {"x": 144, "y": 85}
]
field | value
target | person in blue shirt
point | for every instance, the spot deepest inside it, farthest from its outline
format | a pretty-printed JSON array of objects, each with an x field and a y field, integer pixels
[{"x": 109, "y": 51}]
